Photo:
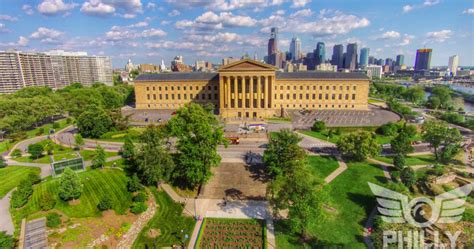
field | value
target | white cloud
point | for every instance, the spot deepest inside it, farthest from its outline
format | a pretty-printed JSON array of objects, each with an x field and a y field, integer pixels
[
  {"x": 46, "y": 35},
  {"x": 129, "y": 16},
  {"x": 8, "y": 18},
  {"x": 108, "y": 7},
  {"x": 211, "y": 21},
  {"x": 225, "y": 5},
  {"x": 406, "y": 40},
  {"x": 138, "y": 24},
  {"x": 468, "y": 11},
  {"x": 219, "y": 37},
  {"x": 439, "y": 36},
  {"x": 174, "y": 13},
  {"x": 55, "y": 7},
  {"x": 300, "y": 3},
  {"x": 22, "y": 42},
  {"x": 388, "y": 35},
  {"x": 425, "y": 4},
  {"x": 27, "y": 9},
  {"x": 302, "y": 13},
  {"x": 97, "y": 8},
  {"x": 118, "y": 33},
  {"x": 151, "y": 5},
  {"x": 153, "y": 33},
  {"x": 3, "y": 28},
  {"x": 407, "y": 8}
]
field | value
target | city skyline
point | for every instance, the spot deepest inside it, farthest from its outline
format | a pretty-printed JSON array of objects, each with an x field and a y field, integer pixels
[{"x": 149, "y": 31}]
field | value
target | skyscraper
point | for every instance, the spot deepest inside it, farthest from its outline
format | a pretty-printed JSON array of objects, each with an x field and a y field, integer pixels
[
  {"x": 453, "y": 64},
  {"x": 295, "y": 48},
  {"x": 351, "y": 57},
  {"x": 364, "y": 57},
  {"x": 372, "y": 60},
  {"x": 273, "y": 42},
  {"x": 423, "y": 59},
  {"x": 338, "y": 55},
  {"x": 400, "y": 60},
  {"x": 320, "y": 53}
]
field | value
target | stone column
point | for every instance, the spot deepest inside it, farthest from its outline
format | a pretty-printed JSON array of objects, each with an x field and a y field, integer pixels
[
  {"x": 251, "y": 92},
  {"x": 265, "y": 100},
  {"x": 244, "y": 95},
  {"x": 259, "y": 92},
  {"x": 221, "y": 93},
  {"x": 227, "y": 91},
  {"x": 236, "y": 94}
]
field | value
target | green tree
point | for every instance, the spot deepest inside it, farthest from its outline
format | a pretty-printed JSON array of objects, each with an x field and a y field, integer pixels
[
  {"x": 22, "y": 193},
  {"x": 133, "y": 184},
  {"x": 70, "y": 186},
  {"x": 399, "y": 161},
  {"x": 388, "y": 129},
  {"x": 438, "y": 133},
  {"x": 35, "y": 150},
  {"x": 49, "y": 147},
  {"x": 94, "y": 122},
  {"x": 3, "y": 162},
  {"x": 319, "y": 125},
  {"x": 152, "y": 159},
  {"x": 358, "y": 145},
  {"x": 449, "y": 151},
  {"x": 282, "y": 148},
  {"x": 198, "y": 134},
  {"x": 47, "y": 202},
  {"x": 408, "y": 177},
  {"x": 415, "y": 94},
  {"x": 444, "y": 95},
  {"x": 78, "y": 141},
  {"x": 105, "y": 203},
  {"x": 128, "y": 149},
  {"x": 6, "y": 241},
  {"x": 401, "y": 144},
  {"x": 99, "y": 158}
]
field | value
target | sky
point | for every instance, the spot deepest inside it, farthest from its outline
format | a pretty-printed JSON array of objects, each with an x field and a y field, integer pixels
[{"x": 147, "y": 31}]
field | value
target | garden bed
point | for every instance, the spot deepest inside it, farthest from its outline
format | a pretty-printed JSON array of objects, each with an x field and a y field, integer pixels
[{"x": 232, "y": 233}]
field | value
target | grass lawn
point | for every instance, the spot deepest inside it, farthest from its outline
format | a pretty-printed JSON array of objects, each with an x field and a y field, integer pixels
[
  {"x": 322, "y": 166},
  {"x": 118, "y": 163},
  {"x": 119, "y": 136},
  {"x": 27, "y": 159},
  {"x": 410, "y": 160},
  {"x": 89, "y": 154},
  {"x": 11, "y": 176},
  {"x": 167, "y": 222},
  {"x": 334, "y": 138},
  {"x": 350, "y": 197},
  {"x": 371, "y": 101},
  {"x": 278, "y": 120},
  {"x": 97, "y": 183}
]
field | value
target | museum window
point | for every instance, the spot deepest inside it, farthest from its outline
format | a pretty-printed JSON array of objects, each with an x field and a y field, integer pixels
[
  {"x": 210, "y": 96},
  {"x": 276, "y": 96},
  {"x": 281, "y": 88},
  {"x": 179, "y": 88},
  {"x": 307, "y": 87},
  {"x": 172, "y": 96},
  {"x": 353, "y": 96},
  {"x": 333, "y": 96},
  {"x": 281, "y": 96},
  {"x": 154, "y": 96},
  {"x": 203, "y": 96},
  {"x": 334, "y": 88},
  {"x": 354, "y": 87},
  {"x": 314, "y": 96},
  {"x": 148, "y": 96},
  {"x": 294, "y": 95},
  {"x": 301, "y": 88},
  {"x": 179, "y": 96},
  {"x": 347, "y": 96},
  {"x": 307, "y": 96},
  {"x": 301, "y": 96},
  {"x": 314, "y": 88},
  {"x": 215, "y": 88},
  {"x": 161, "y": 97},
  {"x": 352, "y": 106},
  {"x": 287, "y": 87},
  {"x": 172, "y": 88},
  {"x": 191, "y": 88},
  {"x": 153, "y": 88},
  {"x": 209, "y": 88},
  {"x": 287, "y": 96},
  {"x": 159, "y": 88},
  {"x": 327, "y": 96},
  {"x": 339, "y": 106},
  {"x": 294, "y": 88},
  {"x": 340, "y": 96},
  {"x": 166, "y": 96},
  {"x": 184, "y": 88},
  {"x": 196, "y": 96},
  {"x": 320, "y": 87},
  {"x": 216, "y": 96},
  {"x": 148, "y": 88},
  {"x": 327, "y": 87},
  {"x": 185, "y": 96},
  {"x": 166, "y": 88},
  {"x": 320, "y": 96},
  {"x": 347, "y": 88}
]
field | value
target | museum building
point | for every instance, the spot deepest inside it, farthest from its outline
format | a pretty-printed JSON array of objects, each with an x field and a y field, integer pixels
[{"x": 251, "y": 89}]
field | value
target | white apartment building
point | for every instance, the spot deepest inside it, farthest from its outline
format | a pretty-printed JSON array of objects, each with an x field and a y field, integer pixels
[
  {"x": 374, "y": 71},
  {"x": 453, "y": 64}
]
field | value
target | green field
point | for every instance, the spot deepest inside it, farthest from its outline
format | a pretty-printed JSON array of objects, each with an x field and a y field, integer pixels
[
  {"x": 119, "y": 136},
  {"x": 89, "y": 154},
  {"x": 351, "y": 203},
  {"x": 410, "y": 160},
  {"x": 168, "y": 220},
  {"x": 323, "y": 135},
  {"x": 97, "y": 183},
  {"x": 322, "y": 166},
  {"x": 11, "y": 176}
]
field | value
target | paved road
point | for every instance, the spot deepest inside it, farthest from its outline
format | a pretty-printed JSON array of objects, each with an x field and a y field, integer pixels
[
  {"x": 6, "y": 223},
  {"x": 45, "y": 168}
]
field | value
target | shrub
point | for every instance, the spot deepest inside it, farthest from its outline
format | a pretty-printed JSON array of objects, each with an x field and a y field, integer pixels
[
  {"x": 140, "y": 197},
  {"x": 56, "y": 125},
  {"x": 70, "y": 186},
  {"x": 6, "y": 241},
  {"x": 21, "y": 194},
  {"x": 399, "y": 161},
  {"x": 40, "y": 131},
  {"x": 408, "y": 176},
  {"x": 53, "y": 220},
  {"x": 138, "y": 207},
  {"x": 3, "y": 162},
  {"x": 437, "y": 170},
  {"x": 133, "y": 184},
  {"x": 34, "y": 178},
  {"x": 47, "y": 202},
  {"x": 388, "y": 129},
  {"x": 16, "y": 153},
  {"x": 105, "y": 203},
  {"x": 319, "y": 125},
  {"x": 68, "y": 120},
  {"x": 36, "y": 150}
]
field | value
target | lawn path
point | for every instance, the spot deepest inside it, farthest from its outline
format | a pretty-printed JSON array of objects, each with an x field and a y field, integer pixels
[
  {"x": 338, "y": 171},
  {"x": 6, "y": 223}
]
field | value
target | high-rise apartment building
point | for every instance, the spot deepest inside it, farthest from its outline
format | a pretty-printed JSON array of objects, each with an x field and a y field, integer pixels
[
  {"x": 54, "y": 69},
  {"x": 351, "y": 57},
  {"x": 374, "y": 71},
  {"x": 423, "y": 59},
  {"x": 295, "y": 48},
  {"x": 400, "y": 60},
  {"x": 364, "y": 57},
  {"x": 338, "y": 55},
  {"x": 453, "y": 64},
  {"x": 320, "y": 53},
  {"x": 273, "y": 42}
]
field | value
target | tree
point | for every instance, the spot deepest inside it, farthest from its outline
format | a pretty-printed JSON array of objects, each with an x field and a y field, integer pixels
[
  {"x": 438, "y": 133},
  {"x": 35, "y": 150},
  {"x": 3, "y": 162},
  {"x": 133, "y": 184},
  {"x": 414, "y": 94},
  {"x": 388, "y": 129},
  {"x": 358, "y": 145},
  {"x": 319, "y": 125},
  {"x": 152, "y": 159},
  {"x": 399, "y": 161},
  {"x": 22, "y": 193},
  {"x": 99, "y": 158},
  {"x": 70, "y": 186},
  {"x": 408, "y": 176},
  {"x": 449, "y": 151},
  {"x": 47, "y": 202},
  {"x": 401, "y": 144},
  {"x": 6, "y": 241},
  {"x": 128, "y": 149},
  {"x": 94, "y": 122},
  {"x": 105, "y": 203},
  {"x": 443, "y": 94},
  {"x": 198, "y": 134},
  {"x": 282, "y": 148},
  {"x": 78, "y": 141}
]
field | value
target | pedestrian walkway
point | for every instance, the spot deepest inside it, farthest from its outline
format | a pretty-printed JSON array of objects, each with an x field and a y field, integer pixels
[
  {"x": 194, "y": 236},
  {"x": 338, "y": 171},
  {"x": 6, "y": 223}
]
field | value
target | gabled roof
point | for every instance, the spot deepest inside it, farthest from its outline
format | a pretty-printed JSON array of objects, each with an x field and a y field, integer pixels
[
  {"x": 199, "y": 76},
  {"x": 247, "y": 65}
]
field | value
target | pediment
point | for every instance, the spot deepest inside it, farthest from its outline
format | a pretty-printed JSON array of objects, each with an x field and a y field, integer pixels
[{"x": 247, "y": 65}]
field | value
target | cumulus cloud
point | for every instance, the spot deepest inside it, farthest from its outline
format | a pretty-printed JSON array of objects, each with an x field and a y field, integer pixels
[
  {"x": 108, "y": 7},
  {"x": 138, "y": 24},
  {"x": 388, "y": 35},
  {"x": 151, "y": 5},
  {"x": 212, "y": 21},
  {"x": 22, "y": 42},
  {"x": 302, "y": 13},
  {"x": 406, "y": 40},
  {"x": 3, "y": 28},
  {"x": 439, "y": 36},
  {"x": 174, "y": 13},
  {"x": 225, "y": 5},
  {"x": 426, "y": 3},
  {"x": 46, "y": 35},
  {"x": 8, "y": 18},
  {"x": 300, "y": 3},
  {"x": 55, "y": 7},
  {"x": 118, "y": 33},
  {"x": 468, "y": 11},
  {"x": 97, "y": 8},
  {"x": 28, "y": 9}
]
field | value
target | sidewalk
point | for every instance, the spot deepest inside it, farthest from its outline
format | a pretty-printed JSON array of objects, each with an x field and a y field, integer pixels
[{"x": 338, "y": 171}]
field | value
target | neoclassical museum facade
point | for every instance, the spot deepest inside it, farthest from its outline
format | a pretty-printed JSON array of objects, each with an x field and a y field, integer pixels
[{"x": 251, "y": 89}]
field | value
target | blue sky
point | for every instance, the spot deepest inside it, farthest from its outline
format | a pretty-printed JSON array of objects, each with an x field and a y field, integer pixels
[{"x": 150, "y": 30}]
